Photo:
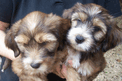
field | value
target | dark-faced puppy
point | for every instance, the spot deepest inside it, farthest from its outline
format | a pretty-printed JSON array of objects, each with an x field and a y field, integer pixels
[
  {"x": 37, "y": 38},
  {"x": 93, "y": 32}
]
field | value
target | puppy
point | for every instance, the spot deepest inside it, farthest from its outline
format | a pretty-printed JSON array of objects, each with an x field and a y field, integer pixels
[
  {"x": 35, "y": 40},
  {"x": 93, "y": 32}
]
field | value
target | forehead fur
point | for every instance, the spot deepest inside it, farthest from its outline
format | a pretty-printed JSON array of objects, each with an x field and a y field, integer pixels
[
  {"x": 79, "y": 15},
  {"x": 89, "y": 9},
  {"x": 90, "y": 12},
  {"x": 33, "y": 19},
  {"x": 92, "y": 9},
  {"x": 37, "y": 22},
  {"x": 52, "y": 20}
]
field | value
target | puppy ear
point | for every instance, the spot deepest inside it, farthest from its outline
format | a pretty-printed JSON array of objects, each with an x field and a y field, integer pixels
[
  {"x": 9, "y": 39},
  {"x": 65, "y": 26},
  {"x": 68, "y": 12},
  {"x": 113, "y": 37},
  {"x": 62, "y": 31}
]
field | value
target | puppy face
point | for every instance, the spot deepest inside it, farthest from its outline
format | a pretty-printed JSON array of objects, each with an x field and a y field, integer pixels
[
  {"x": 37, "y": 37},
  {"x": 92, "y": 28},
  {"x": 38, "y": 52}
]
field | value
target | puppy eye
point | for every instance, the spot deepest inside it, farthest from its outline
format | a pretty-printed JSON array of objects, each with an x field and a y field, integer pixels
[
  {"x": 43, "y": 43},
  {"x": 96, "y": 29},
  {"x": 79, "y": 20},
  {"x": 50, "y": 53}
]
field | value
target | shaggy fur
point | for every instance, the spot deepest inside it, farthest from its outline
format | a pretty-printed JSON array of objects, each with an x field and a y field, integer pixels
[
  {"x": 35, "y": 40},
  {"x": 93, "y": 32}
]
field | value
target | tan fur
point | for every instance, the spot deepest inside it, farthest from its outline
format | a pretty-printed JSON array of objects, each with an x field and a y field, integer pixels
[
  {"x": 93, "y": 32},
  {"x": 36, "y": 40},
  {"x": 81, "y": 16},
  {"x": 22, "y": 39},
  {"x": 72, "y": 75}
]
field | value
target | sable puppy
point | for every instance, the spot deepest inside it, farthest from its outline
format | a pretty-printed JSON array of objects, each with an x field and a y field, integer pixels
[
  {"x": 93, "y": 32},
  {"x": 37, "y": 38}
]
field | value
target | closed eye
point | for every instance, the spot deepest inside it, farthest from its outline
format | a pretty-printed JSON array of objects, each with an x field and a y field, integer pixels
[
  {"x": 43, "y": 43},
  {"x": 51, "y": 53}
]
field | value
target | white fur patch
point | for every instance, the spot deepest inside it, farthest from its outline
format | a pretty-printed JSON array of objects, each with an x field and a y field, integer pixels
[
  {"x": 76, "y": 61},
  {"x": 85, "y": 69},
  {"x": 82, "y": 68},
  {"x": 84, "y": 32},
  {"x": 32, "y": 20},
  {"x": 75, "y": 57},
  {"x": 33, "y": 26},
  {"x": 27, "y": 60},
  {"x": 94, "y": 10}
]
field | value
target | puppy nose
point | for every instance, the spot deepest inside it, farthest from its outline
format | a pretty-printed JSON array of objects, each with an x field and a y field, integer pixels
[
  {"x": 79, "y": 39},
  {"x": 35, "y": 65}
]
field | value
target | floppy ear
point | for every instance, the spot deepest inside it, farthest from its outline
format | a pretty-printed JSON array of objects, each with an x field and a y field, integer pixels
[
  {"x": 113, "y": 37},
  {"x": 61, "y": 32},
  {"x": 9, "y": 39},
  {"x": 67, "y": 13},
  {"x": 64, "y": 27}
]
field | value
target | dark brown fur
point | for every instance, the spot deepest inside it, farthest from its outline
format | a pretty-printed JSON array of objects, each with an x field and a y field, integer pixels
[
  {"x": 101, "y": 35},
  {"x": 35, "y": 39}
]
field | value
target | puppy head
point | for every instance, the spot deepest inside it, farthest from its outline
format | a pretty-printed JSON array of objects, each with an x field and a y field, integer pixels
[
  {"x": 92, "y": 28},
  {"x": 37, "y": 37}
]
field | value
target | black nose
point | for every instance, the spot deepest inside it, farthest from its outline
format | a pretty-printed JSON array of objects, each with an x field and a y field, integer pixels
[
  {"x": 35, "y": 65},
  {"x": 79, "y": 39}
]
